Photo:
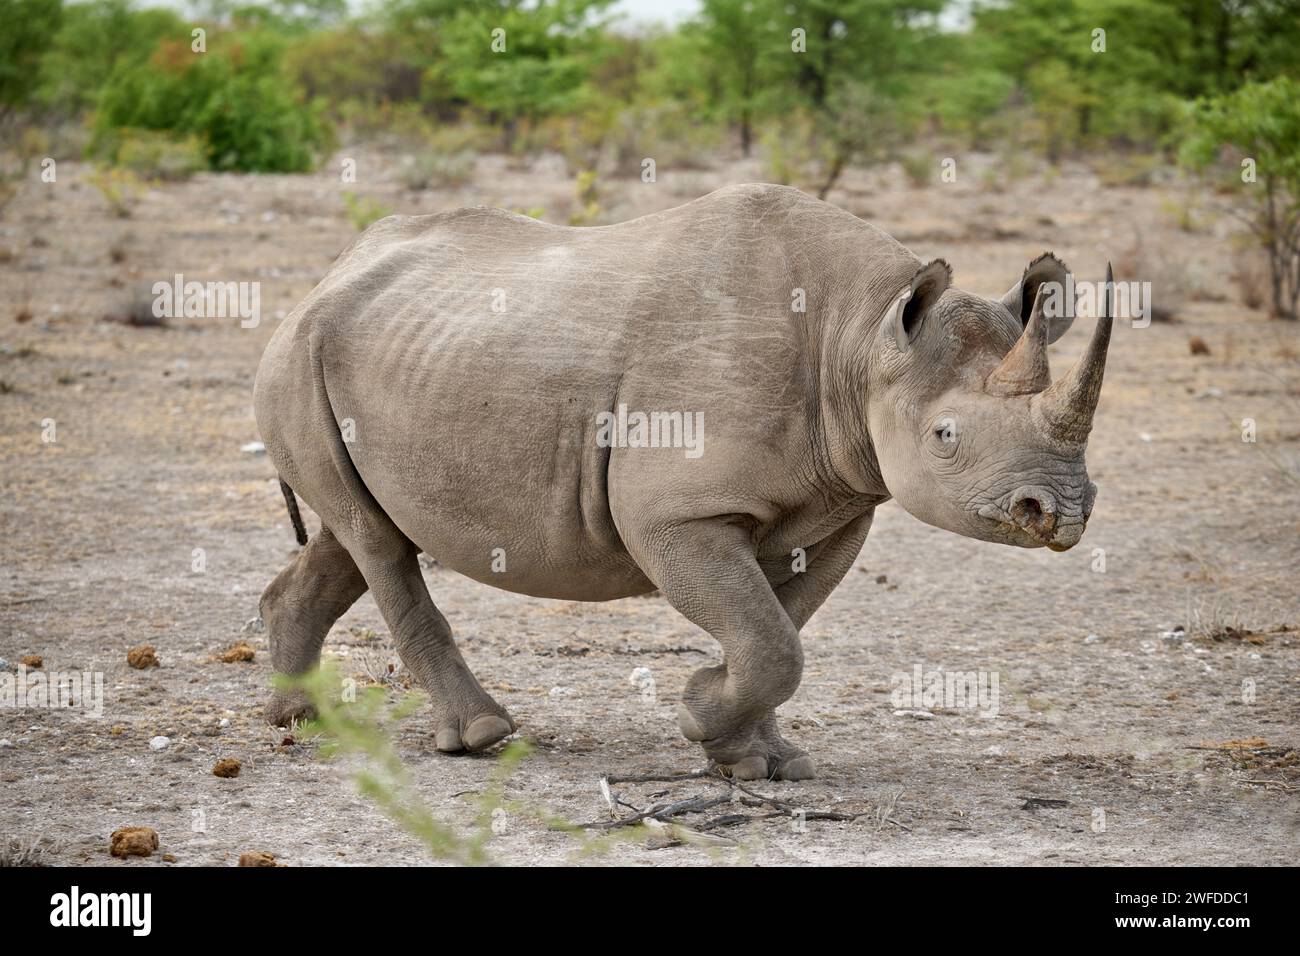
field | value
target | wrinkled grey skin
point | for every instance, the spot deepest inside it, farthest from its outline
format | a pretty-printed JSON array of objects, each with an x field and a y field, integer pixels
[{"x": 472, "y": 430}]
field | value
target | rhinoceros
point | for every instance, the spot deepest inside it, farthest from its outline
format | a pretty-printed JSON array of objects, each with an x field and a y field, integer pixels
[{"x": 709, "y": 401}]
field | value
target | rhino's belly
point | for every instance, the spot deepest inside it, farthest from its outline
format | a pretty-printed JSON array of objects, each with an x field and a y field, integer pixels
[
  {"x": 512, "y": 540},
  {"x": 508, "y": 488}
]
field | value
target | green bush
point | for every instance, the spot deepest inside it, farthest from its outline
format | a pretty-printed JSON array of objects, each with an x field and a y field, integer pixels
[
  {"x": 436, "y": 169},
  {"x": 364, "y": 212},
  {"x": 152, "y": 154},
  {"x": 237, "y": 101}
]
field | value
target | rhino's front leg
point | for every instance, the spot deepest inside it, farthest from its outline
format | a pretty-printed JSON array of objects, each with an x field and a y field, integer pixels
[
  {"x": 828, "y": 562},
  {"x": 708, "y": 572}
]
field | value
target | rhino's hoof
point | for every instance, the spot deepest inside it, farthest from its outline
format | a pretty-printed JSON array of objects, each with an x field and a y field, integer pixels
[
  {"x": 800, "y": 767},
  {"x": 753, "y": 767},
  {"x": 284, "y": 708},
  {"x": 483, "y": 731},
  {"x": 759, "y": 767}
]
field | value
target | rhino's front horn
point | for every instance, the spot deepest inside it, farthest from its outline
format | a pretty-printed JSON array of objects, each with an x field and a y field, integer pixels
[
  {"x": 1068, "y": 406},
  {"x": 1024, "y": 371}
]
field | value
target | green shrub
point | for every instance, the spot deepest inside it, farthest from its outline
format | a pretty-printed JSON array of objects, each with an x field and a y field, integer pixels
[
  {"x": 445, "y": 157},
  {"x": 120, "y": 188},
  {"x": 438, "y": 170},
  {"x": 919, "y": 167},
  {"x": 364, "y": 212},
  {"x": 237, "y": 101},
  {"x": 152, "y": 154}
]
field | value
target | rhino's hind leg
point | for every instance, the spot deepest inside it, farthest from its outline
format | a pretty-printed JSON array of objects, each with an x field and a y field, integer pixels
[
  {"x": 465, "y": 716},
  {"x": 708, "y": 572},
  {"x": 299, "y": 608}
]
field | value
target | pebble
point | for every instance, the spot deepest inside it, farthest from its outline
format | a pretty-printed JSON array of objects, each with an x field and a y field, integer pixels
[
  {"x": 159, "y": 743},
  {"x": 917, "y": 714},
  {"x": 253, "y": 448},
  {"x": 563, "y": 692},
  {"x": 1092, "y": 639}
]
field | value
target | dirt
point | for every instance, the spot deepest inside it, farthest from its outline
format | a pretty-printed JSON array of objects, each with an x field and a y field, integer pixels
[{"x": 144, "y": 521}]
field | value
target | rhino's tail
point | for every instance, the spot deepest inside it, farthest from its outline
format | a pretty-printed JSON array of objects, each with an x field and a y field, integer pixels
[{"x": 294, "y": 515}]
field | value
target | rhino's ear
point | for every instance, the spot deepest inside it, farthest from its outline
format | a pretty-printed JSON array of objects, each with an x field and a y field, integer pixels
[
  {"x": 1019, "y": 299},
  {"x": 909, "y": 307}
]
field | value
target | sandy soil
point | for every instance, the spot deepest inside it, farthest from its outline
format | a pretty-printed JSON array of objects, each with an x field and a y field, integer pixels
[{"x": 1199, "y": 529}]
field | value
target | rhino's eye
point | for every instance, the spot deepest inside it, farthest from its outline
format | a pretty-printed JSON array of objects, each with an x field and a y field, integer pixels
[{"x": 943, "y": 437}]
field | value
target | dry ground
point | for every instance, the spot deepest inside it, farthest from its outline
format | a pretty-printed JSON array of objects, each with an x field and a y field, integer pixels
[{"x": 1199, "y": 529}]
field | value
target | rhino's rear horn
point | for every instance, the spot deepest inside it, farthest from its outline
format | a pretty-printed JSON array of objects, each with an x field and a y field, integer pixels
[
  {"x": 1068, "y": 406},
  {"x": 1024, "y": 371}
]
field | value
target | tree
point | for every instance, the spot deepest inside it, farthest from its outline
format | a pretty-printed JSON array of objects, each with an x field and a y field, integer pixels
[
  {"x": 738, "y": 39},
  {"x": 515, "y": 60},
  {"x": 29, "y": 30},
  {"x": 1260, "y": 123}
]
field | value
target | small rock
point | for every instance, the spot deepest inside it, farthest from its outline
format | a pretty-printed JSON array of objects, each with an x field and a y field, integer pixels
[
  {"x": 1092, "y": 639},
  {"x": 1177, "y": 635},
  {"x": 882, "y": 578},
  {"x": 257, "y": 858},
  {"x": 563, "y": 692},
  {"x": 133, "y": 841},
  {"x": 254, "y": 625},
  {"x": 1145, "y": 436},
  {"x": 223, "y": 722},
  {"x": 237, "y": 653},
  {"x": 32, "y": 660},
  {"x": 640, "y": 676},
  {"x": 1197, "y": 346},
  {"x": 916, "y": 714},
  {"x": 226, "y": 767},
  {"x": 6, "y": 743},
  {"x": 253, "y": 448},
  {"x": 142, "y": 657},
  {"x": 159, "y": 743}
]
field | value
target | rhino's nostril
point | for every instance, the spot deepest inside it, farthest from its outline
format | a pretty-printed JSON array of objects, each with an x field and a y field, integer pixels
[{"x": 1033, "y": 515}]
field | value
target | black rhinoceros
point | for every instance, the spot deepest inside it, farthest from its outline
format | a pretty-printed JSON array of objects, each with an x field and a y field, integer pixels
[{"x": 681, "y": 402}]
